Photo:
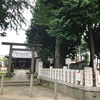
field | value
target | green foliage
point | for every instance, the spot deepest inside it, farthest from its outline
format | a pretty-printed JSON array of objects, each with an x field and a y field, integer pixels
[
  {"x": 68, "y": 21},
  {"x": 5, "y": 61},
  {"x": 11, "y": 14},
  {"x": 37, "y": 34},
  {"x": 96, "y": 37},
  {"x": 74, "y": 18},
  {"x": 83, "y": 47},
  {"x": 39, "y": 24},
  {"x": 42, "y": 12},
  {"x": 86, "y": 57}
]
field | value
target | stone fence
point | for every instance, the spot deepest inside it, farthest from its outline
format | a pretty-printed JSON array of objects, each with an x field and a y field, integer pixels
[
  {"x": 78, "y": 77},
  {"x": 75, "y": 83}
]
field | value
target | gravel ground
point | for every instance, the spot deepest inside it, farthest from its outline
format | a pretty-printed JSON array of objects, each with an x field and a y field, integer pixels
[{"x": 23, "y": 93}]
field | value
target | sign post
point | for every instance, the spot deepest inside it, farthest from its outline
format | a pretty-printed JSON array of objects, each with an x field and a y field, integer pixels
[
  {"x": 2, "y": 84},
  {"x": 32, "y": 71},
  {"x": 55, "y": 89}
]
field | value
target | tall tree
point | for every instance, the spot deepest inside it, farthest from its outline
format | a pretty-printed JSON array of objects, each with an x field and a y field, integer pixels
[
  {"x": 82, "y": 13},
  {"x": 38, "y": 27},
  {"x": 60, "y": 29},
  {"x": 77, "y": 17},
  {"x": 69, "y": 20},
  {"x": 37, "y": 34},
  {"x": 48, "y": 11}
]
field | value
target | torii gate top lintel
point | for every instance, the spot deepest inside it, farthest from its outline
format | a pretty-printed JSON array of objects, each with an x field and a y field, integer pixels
[{"x": 22, "y": 44}]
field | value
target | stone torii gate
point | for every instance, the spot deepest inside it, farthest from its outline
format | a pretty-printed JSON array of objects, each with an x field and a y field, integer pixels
[
  {"x": 32, "y": 61},
  {"x": 20, "y": 44}
]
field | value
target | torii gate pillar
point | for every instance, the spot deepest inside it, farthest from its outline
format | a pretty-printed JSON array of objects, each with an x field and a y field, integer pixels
[{"x": 10, "y": 61}]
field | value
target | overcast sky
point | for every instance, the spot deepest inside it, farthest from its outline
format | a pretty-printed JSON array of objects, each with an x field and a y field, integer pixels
[{"x": 13, "y": 37}]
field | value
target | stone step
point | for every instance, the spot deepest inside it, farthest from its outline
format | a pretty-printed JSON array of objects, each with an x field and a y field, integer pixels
[{"x": 19, "y": 83}]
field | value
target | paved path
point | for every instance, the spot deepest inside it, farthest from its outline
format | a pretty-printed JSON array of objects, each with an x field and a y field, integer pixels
[
  {"x": 20, "y": 76},
  {"x": 23, "y": 92}
]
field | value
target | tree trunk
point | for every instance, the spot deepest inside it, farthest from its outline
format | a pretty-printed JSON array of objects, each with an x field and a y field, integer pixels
[
  {"x": 57, "y": 54},
  {"x": 63, "y": 54},
  {"x": 92, "y": 53},
  {"x": 62, "y": 57}
]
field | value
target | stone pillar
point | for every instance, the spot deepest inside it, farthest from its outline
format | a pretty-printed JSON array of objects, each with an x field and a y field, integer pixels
[
  {"x": 88, "y": 76},
  {"x": 51, "y": 71},
  {"x": 68, "y": 75},
  {"x": 64, "y": 73},
  {"x": 10, "y": 61},
  {"x": 77, "y": 76},
  {"x": 37, "y": 65},
  {"x": 72, "y": 77},
  {"x": 98, "y": 78},
  {"x": 32, "y": 61},
  {"x": 32, "y": 73}
]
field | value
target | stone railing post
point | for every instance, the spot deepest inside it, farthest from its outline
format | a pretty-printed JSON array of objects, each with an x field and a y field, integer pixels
[
  {"x": 82, "y": 79},
  {"x": 77, "y": 77},
  {"x": 68, "y": 75},
  {"x": 88, "y": 76},
  {"x": 51, "y": 71},
  {"x": 64, "y": 73},
  {"x": 97, "y": 78},
  {"x": 72, "y": 76}
]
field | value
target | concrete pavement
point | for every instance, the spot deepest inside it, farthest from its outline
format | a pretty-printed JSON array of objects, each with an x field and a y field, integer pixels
[
  {"x": 23, "y": 92},
  {"x": 20, "y": 76}
]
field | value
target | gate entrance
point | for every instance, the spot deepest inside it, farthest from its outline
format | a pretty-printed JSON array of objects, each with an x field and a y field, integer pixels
[
  {"x": 31, "y": 48},
  {"x": 26, "y": 56}
]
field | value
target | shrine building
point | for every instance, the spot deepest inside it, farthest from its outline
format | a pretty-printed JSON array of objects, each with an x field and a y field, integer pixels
[{"x": 21, "y": 59}]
